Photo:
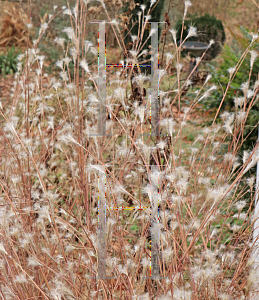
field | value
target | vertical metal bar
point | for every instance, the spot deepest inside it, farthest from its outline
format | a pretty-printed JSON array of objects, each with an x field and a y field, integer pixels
[
  {"x": 101, "y": 225},
  {"x": 154, "y": 81},
  {"x": 102, "y": 80},
  {"x": 154, "y": 225},
  {"x": 256, "y": 224}
]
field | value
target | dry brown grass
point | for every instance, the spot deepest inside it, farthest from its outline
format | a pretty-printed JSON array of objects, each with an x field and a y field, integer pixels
[
  {"x": 49, "y": 191},
  {"x": 13, "y": 30}
]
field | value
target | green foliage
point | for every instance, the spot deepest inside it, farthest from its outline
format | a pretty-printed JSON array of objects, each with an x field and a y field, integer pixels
[
  {"x": 134, "y": 227},
  {"x": 47, "y": 45},
  {"x": 220, "y": 77},
  {"x": 208, "y": 28},
  {"x": 8, "y": 62},
  {"x": 190, "y": 137}
]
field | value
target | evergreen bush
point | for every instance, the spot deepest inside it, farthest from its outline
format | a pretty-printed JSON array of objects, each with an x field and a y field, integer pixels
[
  {"x": 208, "y": 28},
  {"x": 220, "y": 76}
]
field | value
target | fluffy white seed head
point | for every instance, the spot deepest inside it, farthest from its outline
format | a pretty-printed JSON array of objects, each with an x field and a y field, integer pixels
[
  {"x": 192, "y": 32},
  {"x": 152, "y": 32},
  {"x": 2, "y": 249},
  {"x": 212, "y": 42},
  {"x": 254, "y": 55},
  {"x": 254, "y": 37},
  {"x": 240, "y": 117},
  {"x": 187, "y": 4},
  {"x": 239, "y": 101},
  {"x": 250, "y": 182},
  {"x": 173, "y": 32},
  {"x": 84, "y": 65},
  {"x": 152, "y": 2},
  {"x": 43, "y": 28},
  {"x": 143, "y": 7},
  {"x": 231, "y": 71},
  {"x": 244, "y": 88}
]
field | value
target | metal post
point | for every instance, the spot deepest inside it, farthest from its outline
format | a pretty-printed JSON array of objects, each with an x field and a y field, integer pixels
[
  {"x": 256, "y": 224},
  {"x": 102, "y": 81},
  {"x": 154, "y": 227},
  {"x": 101, "y": 225},
  {"x": 154, "y": 81}
]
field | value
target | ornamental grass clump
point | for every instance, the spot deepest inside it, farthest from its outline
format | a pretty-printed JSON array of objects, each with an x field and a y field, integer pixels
[{"x": 55, "y": 168}]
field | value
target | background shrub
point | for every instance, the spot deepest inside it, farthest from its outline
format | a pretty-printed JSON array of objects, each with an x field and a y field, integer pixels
[
  {"x": 220, "y": 77},
  {"x": 8, "y": 62},
  {"x": 208, "y": 27}
]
